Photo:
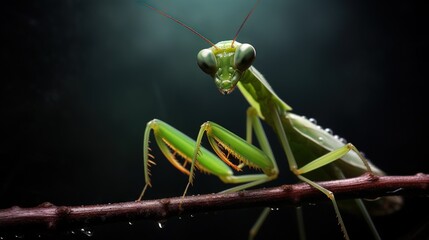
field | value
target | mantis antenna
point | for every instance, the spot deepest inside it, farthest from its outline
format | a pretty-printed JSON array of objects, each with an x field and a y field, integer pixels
[
  {"x": 181, "y": 24},
  {"x": 199, "y": 34},
  {"x": 244, "y": 21}
]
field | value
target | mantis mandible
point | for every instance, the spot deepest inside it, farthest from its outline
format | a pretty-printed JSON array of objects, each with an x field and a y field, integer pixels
[{"x": 313, "y": 154}]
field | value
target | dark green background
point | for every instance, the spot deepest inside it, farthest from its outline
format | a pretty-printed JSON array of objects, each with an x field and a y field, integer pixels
[{"x": 80, "y": 79}]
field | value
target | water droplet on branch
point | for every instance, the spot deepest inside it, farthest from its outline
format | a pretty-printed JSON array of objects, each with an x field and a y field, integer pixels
[
  {"x": 88, "y": 233},
  {"x": 161, "y": 224}
]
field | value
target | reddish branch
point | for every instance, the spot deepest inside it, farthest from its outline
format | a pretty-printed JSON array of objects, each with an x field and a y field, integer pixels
[{"x": 48, "y": 216}]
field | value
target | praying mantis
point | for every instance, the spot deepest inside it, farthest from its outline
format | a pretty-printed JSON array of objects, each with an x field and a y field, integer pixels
[{"x": 313, "y": 154}]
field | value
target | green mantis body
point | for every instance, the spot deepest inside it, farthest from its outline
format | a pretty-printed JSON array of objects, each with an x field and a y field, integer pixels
[{"x": 313, "y": 153}]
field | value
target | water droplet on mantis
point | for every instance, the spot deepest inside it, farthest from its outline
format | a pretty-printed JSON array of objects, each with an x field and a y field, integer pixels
[
  {"x": 312, "y": 120},
  {"x": 328, "y": 130},
  {"x": 320, "y": 139}
]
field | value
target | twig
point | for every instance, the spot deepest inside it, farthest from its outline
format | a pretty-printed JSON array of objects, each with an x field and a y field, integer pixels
[{"x": 49, "y": 217}]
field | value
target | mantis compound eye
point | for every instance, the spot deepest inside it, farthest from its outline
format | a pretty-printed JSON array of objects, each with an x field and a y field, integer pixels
[
  {"x": 207, "y": 61},
  {"x": 244, "y": 56}
]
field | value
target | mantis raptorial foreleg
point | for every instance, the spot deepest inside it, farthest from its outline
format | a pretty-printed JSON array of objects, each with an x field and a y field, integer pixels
[
  {"x": 169, "y": 139},
  {"x": 252, "y": 123},
  {"x": 226, "y": 144},
  {"x": 222, "y": 139}
]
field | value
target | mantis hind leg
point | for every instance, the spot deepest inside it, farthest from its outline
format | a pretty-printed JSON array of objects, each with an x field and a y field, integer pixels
[
  {"x": 331, "y": 157},
  {"x": 326, "y": 159},
  {"x": 361, "y": 207},
  {"x": 317, "y": 163}
]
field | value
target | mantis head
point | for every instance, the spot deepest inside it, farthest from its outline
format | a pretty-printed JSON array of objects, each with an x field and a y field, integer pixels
[{"x": 227, "y": 63}]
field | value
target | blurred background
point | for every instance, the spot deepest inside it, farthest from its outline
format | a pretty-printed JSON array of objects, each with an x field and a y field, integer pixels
[{"x": 80, "y": 80}]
